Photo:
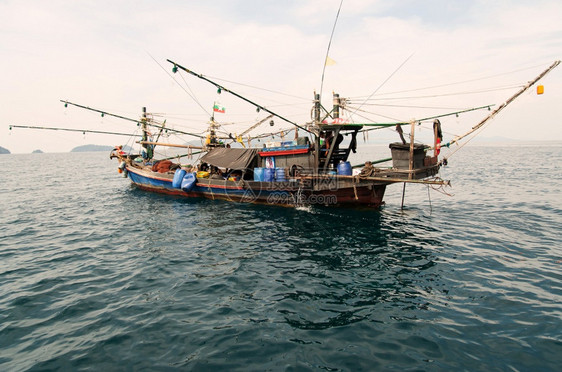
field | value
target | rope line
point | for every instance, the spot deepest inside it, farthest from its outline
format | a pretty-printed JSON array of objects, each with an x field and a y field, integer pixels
[{"x": 461, "y": 82}]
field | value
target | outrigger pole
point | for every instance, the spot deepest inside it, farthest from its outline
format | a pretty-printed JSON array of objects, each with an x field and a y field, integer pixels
[
  {"x": 221, "y": 88},
  {"x": 503, "y": 105},
  {"x": 66, "y": 103},
  {"x": 170, "y": 145},
  {"x": 74, "y": 130},
  {"x": 383, "y": 125}
]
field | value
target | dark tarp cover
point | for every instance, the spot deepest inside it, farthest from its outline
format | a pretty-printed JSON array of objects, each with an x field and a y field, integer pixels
[{"x": 232, "y": 158}]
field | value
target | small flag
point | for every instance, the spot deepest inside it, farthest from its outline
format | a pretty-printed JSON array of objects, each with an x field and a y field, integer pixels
[
  {"x": 218, "y": 108},
  {"x": 330, "y": 62}
]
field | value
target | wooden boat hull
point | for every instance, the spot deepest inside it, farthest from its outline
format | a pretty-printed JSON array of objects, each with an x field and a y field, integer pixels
[{"x": 290, "y": 193}]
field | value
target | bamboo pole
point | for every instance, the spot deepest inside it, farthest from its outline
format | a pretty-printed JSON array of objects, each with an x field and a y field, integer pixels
[
  {"x": 182, "y": 156},
  {"x": 504, "y": 105},
  {"x": 221, "y": 88},
  {"x": 169, "y": 145},
  {"x": 140, "y": 122},
  {"x": 412, "y": 133},
  {"x": 74, "y": 130},
  {"x": 372, "y": 162}
]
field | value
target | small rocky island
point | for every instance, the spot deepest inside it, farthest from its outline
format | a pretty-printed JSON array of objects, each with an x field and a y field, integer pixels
[
  {"x": 37, "y": 151},
  {"x": 4, "y": 151}
]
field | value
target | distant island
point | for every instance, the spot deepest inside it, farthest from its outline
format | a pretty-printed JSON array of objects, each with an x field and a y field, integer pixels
[
  {"x": 88, "y": 148},
  {"x": 37, "y": 152},
  {"x": 4, "y": 151}
]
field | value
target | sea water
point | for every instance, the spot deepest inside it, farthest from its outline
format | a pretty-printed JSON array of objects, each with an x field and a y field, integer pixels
[{"x": 96, "y": 274}]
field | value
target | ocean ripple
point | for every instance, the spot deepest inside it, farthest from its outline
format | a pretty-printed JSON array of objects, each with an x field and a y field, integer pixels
[{"x": 97, "y": 274}]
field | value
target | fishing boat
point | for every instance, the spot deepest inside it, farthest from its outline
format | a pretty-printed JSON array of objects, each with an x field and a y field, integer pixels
[
  {"x": 310, "y": 169},
  {"x": 313, "y": 168},
  {"x": 292, "y": 173}
]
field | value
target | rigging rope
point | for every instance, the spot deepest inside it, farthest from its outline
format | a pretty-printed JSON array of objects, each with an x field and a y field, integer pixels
[
  {"x": 384, "y": 82},
  {"x": 424, "y": 119},
  {"x": 445, "y": 94},
  {"x": 192, "y": 96},
  {"x": 221, "y": 88},
  {"x": 504, "y": 105},
  {"x": 70, "y": 130},
  {"x": 259, "y": 88},
  {"x": 139, "y": 122},
  {"x": 459, "y": 82}
]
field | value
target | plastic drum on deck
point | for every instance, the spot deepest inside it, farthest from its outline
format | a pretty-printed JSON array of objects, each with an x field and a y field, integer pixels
[
  {"x": 344, "y": 169},
  {"x": 259, "y": 174},
  {"x": 269, "y": 174},
  {"x": 280, "y": 174}
]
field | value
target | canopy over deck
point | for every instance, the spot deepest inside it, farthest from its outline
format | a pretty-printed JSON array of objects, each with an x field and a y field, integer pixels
[{"x": 232, "y": 158}]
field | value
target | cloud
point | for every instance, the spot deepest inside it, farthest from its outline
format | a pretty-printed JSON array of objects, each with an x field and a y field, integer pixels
[{"x": 99, "y": 54}]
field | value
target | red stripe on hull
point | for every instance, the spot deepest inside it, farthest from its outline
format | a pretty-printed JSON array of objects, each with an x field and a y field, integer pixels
[{"x": 282, "y": 152}]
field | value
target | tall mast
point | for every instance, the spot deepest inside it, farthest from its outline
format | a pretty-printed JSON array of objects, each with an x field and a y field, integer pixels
[
  {"x": 317, "y": 107},
  {"x": 149, "y": 148},
  {"x": 336, "y": 106}
]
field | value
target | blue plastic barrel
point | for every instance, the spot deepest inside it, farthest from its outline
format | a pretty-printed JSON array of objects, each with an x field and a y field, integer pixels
[
  {"x": 344, "y": 168},
  {"x": 178, "y": 177},
  {"x": 269, "y": 174},
  {"x": 259, "y": 174},
  {"x": 280, "y": 175},
  {"x": 188, "y": 182}
]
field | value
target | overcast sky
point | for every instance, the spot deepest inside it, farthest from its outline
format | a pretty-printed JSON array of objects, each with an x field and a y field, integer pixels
[{"x": 413, "y": 58}]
